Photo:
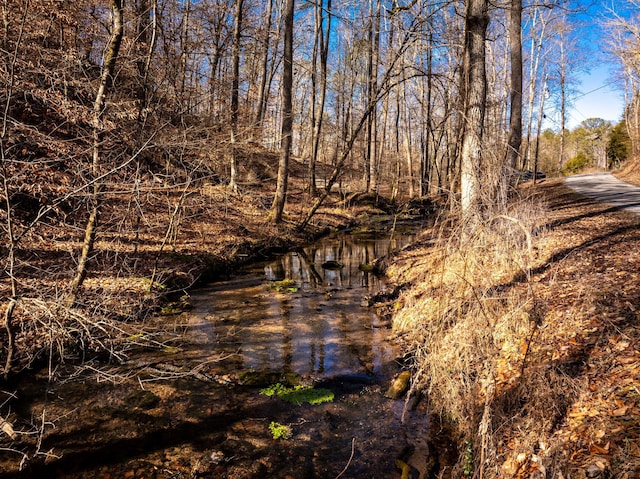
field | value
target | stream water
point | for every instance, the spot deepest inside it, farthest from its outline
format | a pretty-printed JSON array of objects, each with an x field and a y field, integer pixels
[
  {"x": 301, "y": 312},
  {"x": 300, "y": 315}
]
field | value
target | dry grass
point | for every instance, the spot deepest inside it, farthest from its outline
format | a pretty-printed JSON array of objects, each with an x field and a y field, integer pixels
[
  {"x": 463, "y": 318},
  {"x": 630, "y": 171},
  {"x": 531, "y": 355}
]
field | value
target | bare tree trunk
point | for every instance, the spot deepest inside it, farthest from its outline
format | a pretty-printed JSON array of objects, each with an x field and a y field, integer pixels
[
  {"x": 543, "y": 96},
  {"x": 184, "y": 59},
  {"x": 563, "y": 107},
  {"x": 536, "y": 50},
  {"x": 106, "y": 81},
  {"x": 11, "y": 243},
  {"x": 322, "y": 39},
  {"x": 11, "y": 259},
  {"x": 317, "y": 16},
  {"x": 280, "y": 198},
  {"x": 515, "y": 50},
  {"x": 426, "y": 166},
  {"x": 235, "y": 86},
  {"x": 475, "y": 81},
  {"x": 372, "y": 78},
  {"x": 407, "y": 140},
  {"x": 148, "y": 19},
  {"x": 262, "y": 95},
  {"x": 375, "y": 158}
]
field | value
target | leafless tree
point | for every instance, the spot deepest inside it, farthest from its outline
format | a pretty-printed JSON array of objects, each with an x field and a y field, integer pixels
[
  {"x": 475, "y": 92},
  {"x": 235, "y": 86},
  {"x": 515, "y": 117},
  {"x": 625, "y": 45},
  {"x": 106, "y": 81},
  {"x": 279, "y": 200}
]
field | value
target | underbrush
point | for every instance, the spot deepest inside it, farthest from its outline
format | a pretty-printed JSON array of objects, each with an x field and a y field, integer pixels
[
  {"x": 528, "y": 353},
  {"x": 470, "y": 318}
]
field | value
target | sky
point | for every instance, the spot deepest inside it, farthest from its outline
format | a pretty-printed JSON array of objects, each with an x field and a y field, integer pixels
[{"x": 599, "y": 96}]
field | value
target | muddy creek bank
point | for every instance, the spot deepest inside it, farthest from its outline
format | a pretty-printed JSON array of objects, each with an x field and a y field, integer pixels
[{"x": 197, "y": 406}]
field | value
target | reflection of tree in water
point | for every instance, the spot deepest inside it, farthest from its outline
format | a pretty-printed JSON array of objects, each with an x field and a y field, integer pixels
[
  {"x": 356, "y": 338},
  {"x": 318, "y": 329},
  {"x": 287, "y": 343},
  {"x": 317, "y": 343},
  {"x": 314, "y": 277},
  {"x": 275, "y": 270}
]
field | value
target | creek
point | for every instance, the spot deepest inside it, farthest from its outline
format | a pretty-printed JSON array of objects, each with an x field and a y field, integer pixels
[
  {"x": 301, "y": 312},
  {"x": 200, "y": 410}
]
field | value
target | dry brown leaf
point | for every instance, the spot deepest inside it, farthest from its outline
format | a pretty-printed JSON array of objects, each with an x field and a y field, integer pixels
[
  {"x": 621, "y": 411},
  {"x": 602, "y": 450}
]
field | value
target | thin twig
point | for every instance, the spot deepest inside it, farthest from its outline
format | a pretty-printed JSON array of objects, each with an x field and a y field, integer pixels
[{"x": 353, "y": 448}]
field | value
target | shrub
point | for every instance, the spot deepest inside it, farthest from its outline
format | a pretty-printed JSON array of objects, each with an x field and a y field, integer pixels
[{"x": 576, "y": 164}]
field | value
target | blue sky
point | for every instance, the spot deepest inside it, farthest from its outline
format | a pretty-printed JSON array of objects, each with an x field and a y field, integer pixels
[{"x": 599, "y": 96}]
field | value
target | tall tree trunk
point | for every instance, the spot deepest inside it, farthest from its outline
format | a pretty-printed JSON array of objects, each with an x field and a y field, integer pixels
[
  {"x": 235, "y": 87},
  {"x": 184, "y": 60},
  {"x": 10, "y": 241},
  {"x": 322, "y": 38},
  {"x": 262, "y": 94},
  {"x": 372, "y": 77},
  {"x": 475, "y": 88},
  {"x": 317, "y": 19},
  {"x": 563, "y": 106},
  {"x": 375, "y": 157},
  {"x": 407, "y": 132},
  {"x": 280, "y": 198},
  {"x": 515, "y": 50},
  {"x": 536, "y": 53},
  {"x": 543, "y": 96},
  {"x": 146, "y": 38},
  {"x": 106, "y": 81},
  {"x": 426, "y": 165}
]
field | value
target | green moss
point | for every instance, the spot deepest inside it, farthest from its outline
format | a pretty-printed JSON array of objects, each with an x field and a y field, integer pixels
[
  {"x": 280, "y": 431},
  {"x": 285, "y": 285},
  {"x": 175, "y": 307},
  {"x": 299, "y": 394},
  {"x": 467, "y": 461},
  {"x": 152, "y": 286}
]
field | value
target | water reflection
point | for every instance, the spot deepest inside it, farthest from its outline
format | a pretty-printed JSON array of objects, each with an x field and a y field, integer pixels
[{"x": 317, "y": 327}]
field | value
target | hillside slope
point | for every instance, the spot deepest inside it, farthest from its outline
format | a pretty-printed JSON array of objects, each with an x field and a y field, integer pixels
[
  {"x": 630, "y": 171},
  {"x": 554, "y": 391}
]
